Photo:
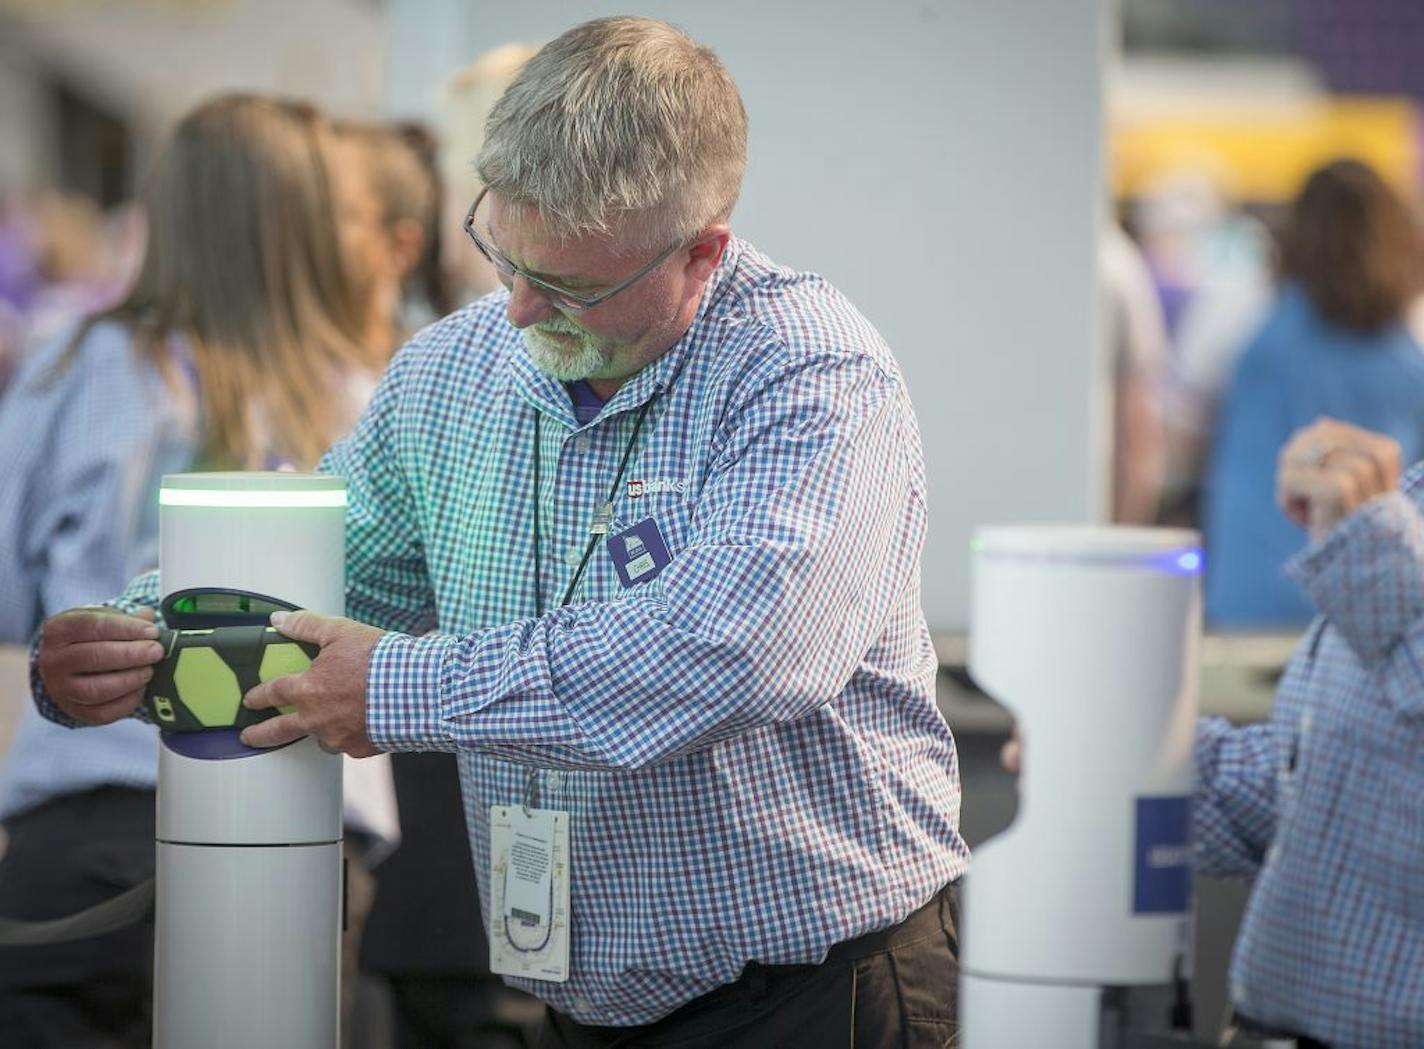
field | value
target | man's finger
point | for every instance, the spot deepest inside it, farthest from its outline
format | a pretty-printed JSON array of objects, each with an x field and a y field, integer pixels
[
  {"x": 1369, "y": 469},
  {"x": 99, "y": 657},
  {"x": 274, "y": 732},
  {"x": 94, "y": 690},
  {"x": 114, "y": 710},
  {"x": 306, "y": 626},
  {"x": 1011, "y": 756},
  {"x": 1295, "y": 487},
  {"x": 70, "y": 628},
  {"x": 1304, "y": 492},
  {"x": 279, "y": 692}
]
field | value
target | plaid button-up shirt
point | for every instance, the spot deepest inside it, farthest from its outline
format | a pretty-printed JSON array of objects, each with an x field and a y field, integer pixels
[
  {"x": 1324, "y": 805},
  {"x": 747, "y": 741}
]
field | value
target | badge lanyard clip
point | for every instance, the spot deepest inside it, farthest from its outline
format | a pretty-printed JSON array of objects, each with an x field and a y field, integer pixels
[{"x": 531, "y": 793}]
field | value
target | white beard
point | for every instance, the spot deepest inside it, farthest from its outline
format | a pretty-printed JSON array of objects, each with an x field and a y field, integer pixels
[{"x": 566, "y": 359}]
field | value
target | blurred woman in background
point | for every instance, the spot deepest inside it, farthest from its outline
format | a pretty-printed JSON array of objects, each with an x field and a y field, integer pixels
[
  {"x": 395, "y": 249},
  {"x": 225, "y": 354},
  {"x": 463, "y": 106},
  {"x": 1335, "y": 344}
]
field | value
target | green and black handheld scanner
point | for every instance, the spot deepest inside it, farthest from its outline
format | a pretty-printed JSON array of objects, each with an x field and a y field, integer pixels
[{"x": 218, "y": 645}]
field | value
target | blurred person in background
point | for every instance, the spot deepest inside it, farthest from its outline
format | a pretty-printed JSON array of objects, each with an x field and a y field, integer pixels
[
  {"x": 1137, "y": 345},
  {"x": 61, "y": 259},
  {"x": 1334, "y": 344},
  {"x": 1210, "y": 264},
  {"x": 1214, "y": 327},
  {"x": 225, "y": 354},
  {"x": 396, "y": 244},
  {"x": 424, "y": 936},
  {"x": 465, "y": 103}
]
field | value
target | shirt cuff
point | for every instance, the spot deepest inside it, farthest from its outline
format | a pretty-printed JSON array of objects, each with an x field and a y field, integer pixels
[
  {"x": 1233, "y": 805},
  {"x": 1367, "y": 576},
  {"x": 403, "y": 689}
]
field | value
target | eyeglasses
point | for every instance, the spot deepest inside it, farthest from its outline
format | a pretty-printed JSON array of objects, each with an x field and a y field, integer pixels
[{"x": 561, "y": 298}]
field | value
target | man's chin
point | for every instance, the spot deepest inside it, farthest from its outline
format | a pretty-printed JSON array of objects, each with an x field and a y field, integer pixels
[{"x": 565, "y": 365}]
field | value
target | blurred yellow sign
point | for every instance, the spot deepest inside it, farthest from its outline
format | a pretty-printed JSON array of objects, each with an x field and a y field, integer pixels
[{"x": 1264, "y": 154}]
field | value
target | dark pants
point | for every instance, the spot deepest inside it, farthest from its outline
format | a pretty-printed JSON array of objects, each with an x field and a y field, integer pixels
[
  {"x": 897, "y": 987},
  {"x": 64, "y": 856}
]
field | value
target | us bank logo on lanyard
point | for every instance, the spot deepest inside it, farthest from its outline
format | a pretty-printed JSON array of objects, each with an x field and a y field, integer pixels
[
  {"x": 638, "y": 553},
  {"x": 638, "y": 489}
]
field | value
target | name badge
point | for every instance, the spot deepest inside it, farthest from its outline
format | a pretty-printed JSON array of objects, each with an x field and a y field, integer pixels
[
  {"x": 638, "y": 553},
  {"x": 529, "y": 893}
]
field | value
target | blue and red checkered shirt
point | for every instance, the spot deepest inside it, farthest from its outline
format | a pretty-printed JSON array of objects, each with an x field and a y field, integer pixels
[
  {"x": 747, "y": 740},
  {"x": 1324, "y": 805}
]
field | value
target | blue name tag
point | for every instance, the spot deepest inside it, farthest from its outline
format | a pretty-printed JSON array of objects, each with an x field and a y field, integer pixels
[
  {"x": 638, "y": 553},
  {"x": 1163, "y": 876}
]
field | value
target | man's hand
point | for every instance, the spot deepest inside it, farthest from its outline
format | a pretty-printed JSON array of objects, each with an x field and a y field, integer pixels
[
  {"x": 1011, "y": 753},
  {"x": 95, "y": 662},
  {"x": 1329, "y": 469},
  {"x": 329, "y": 698}
]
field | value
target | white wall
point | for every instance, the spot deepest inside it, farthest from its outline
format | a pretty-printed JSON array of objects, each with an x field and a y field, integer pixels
[
  {"x": 28, "y": 145},
  {"x": 941, "y": 162},
  {"x": 150, "y": 62}
]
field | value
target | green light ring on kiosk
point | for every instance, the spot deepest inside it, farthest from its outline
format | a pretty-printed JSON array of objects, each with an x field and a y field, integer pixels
[{"x": 274, "y": 499}]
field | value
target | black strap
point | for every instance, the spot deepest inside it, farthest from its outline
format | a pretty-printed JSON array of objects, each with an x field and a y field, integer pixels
[
  {"x": 127, "y": 908},
  {"x": 594, "y": 535}
]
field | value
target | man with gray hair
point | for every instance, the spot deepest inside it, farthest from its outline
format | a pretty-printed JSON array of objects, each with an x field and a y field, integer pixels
[{"x": 638, "y": 538}]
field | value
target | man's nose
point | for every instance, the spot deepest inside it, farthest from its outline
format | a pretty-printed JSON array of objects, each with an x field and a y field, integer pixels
[{"x": 527, "y": 304}]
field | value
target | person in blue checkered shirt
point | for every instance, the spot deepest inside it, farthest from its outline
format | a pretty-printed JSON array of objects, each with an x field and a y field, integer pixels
[
  {"x": 1324, "y": 805},
  {"x": 639, "y": 538}
]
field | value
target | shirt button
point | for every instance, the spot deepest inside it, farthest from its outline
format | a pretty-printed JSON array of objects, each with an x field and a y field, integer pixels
[
  {"x": 578, "y": 444},
  {"x": 554, "y": 780},
  {"x": 581, "y": 1005},
  {"x": 1273, "y": 854},
  {"x": 1305, "y": 722},
  {"x": 574, "y": 556}
]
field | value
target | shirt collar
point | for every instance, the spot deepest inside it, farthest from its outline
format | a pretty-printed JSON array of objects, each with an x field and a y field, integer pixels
[{"x": 548, "y": 395}]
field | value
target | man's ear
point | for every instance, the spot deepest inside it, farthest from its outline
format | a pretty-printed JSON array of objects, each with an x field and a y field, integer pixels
[{"x": 706, "y": 252}]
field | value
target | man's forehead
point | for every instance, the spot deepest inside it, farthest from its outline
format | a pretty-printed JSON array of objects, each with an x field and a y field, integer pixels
[{"x": 519, "y": 229}]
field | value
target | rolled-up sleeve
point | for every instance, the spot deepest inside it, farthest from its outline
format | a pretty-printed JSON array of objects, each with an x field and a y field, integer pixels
[
  {"x": 1234, "y": 808},
  {"x": 1367, "y": 579}
]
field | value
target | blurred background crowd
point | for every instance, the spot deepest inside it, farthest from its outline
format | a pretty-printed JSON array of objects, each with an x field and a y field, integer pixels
[{"x": 1262, "y": 267}]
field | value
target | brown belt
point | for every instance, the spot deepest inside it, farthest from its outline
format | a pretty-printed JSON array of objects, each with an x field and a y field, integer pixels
[{"x": 939, "y": 916}]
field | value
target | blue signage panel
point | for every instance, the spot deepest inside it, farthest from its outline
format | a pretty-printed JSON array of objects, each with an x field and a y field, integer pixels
[{"x": 1162, "y": 883}]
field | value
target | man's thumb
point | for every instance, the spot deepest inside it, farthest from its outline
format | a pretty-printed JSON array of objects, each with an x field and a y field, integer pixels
[{"x": 301, "y": 626}]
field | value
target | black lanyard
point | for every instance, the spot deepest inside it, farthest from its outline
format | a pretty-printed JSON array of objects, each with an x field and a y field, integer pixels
[{"x": 600, "y": 522}]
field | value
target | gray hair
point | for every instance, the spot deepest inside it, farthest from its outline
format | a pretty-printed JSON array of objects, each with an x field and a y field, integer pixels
[{"x": 620, "y": 116}]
